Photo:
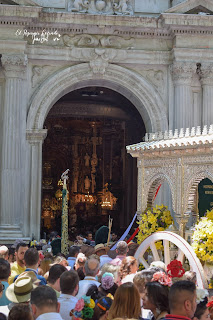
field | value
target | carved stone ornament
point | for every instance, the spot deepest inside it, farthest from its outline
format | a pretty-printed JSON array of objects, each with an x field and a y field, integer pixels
[
  {"x": 14, "y": 65},
  {"x": 92, "y": 41},
  {"x": 39, "y": 73},
  {"x": 100, "y": 61},
  {"x": 206, "y": 73},
  {"x": 35, "y": 137},
  {"x": 182, "y": 72},
  {"x": 157, "y": 78},
  {"x": 118, "y": 7}
]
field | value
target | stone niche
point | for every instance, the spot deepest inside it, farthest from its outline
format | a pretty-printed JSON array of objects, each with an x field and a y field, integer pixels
[{"x": 151, "y": 6}]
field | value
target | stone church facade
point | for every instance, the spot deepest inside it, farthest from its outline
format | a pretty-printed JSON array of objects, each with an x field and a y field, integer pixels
[{"x": 157, "y": 56}]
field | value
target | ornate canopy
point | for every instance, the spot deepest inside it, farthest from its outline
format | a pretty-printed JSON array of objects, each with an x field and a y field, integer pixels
[{"x": 182, "y": 158}]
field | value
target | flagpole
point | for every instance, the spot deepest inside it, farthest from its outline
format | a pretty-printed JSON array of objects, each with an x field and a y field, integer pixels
[{"x": 64, "y": 217}]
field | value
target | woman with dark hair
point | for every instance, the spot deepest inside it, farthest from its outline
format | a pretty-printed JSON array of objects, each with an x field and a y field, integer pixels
[
  {"x": 94, "y": 293},
  {"x": 202, "y": 311},
  {"x": 126, "y": 303},
  {"x": 156, "y": 295},
  {"x": 103, "y": 305}
]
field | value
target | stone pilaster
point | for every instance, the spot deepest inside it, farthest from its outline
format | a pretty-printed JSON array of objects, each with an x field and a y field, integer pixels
[
  {"x": 14, "y": 113},
  {"x": 140, "y": 192},
  {"x": 207, "y": 85},
  {"x": 182, "y": 73},
  {"x": 35, "y": 139}
]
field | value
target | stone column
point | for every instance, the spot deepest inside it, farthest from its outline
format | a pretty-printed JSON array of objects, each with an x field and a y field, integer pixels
[
  {"x": 182, "y": 73},
  {"x": 14, "y": 122},
  {"x": 35, "y": 139},
  {"x": 207, "y": 85},
  {"x": 141, "y": 205}
]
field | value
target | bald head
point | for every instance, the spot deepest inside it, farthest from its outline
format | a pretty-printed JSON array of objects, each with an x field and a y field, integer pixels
[
  {"x": 182, "y": 298},
  {"x": 91, "y": 267}
]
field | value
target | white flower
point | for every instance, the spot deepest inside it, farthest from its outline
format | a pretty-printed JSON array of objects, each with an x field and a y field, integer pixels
[{"x": 201, "y": 294}]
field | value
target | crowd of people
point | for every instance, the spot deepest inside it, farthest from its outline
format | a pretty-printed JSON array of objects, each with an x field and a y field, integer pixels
[{"x": 91, "y": 283}]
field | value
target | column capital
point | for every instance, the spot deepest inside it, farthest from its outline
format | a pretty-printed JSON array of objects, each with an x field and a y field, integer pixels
[
  {"x": 34, "y": 137},
  {"x": 206, "y": 73},
  {"x": 182, "y": 72},
  {"x": 14, "y": 65}
]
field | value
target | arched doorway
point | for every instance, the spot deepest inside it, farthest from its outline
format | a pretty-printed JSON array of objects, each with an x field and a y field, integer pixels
[
  {"x": 129, "y": 84},
  {"x": 88, "y": 130}
]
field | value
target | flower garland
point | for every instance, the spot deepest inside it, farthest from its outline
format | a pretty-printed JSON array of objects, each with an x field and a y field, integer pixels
[
  {"x": 155, "y": 219},
  {"x": 203, "y": 237},
  {"x": 107, "y": 280},
  {"x": 162, "y": 278},
  {"x": 84, "y": 308},
  {"x": 175, "y": 269},
  {"x": 209, "y": 305}
]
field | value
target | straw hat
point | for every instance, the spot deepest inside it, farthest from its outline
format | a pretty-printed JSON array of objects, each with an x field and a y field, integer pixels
[
  {"x": 32, "y": 275},
  {"x": 20, "y": 290},
  {"x": 101, "y": 246}
]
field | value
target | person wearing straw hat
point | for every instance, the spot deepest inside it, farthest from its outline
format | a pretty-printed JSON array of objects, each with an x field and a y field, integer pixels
[
  {"x": 101, "y": 251},
  {"x": 20, "y": 290}
]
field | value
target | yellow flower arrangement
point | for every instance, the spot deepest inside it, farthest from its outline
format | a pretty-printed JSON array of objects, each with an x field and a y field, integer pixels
[
  {"x": 203, "y": 237},
  {"x": 155, "y": 219}
]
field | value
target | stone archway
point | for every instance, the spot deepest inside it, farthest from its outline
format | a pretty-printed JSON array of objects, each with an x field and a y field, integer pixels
[
  {"x": 135, "y": 88},
  {"x": 130, "y": 84},
  {"x": 193, "y": 185},
  {"x": 154, "y": 183}
]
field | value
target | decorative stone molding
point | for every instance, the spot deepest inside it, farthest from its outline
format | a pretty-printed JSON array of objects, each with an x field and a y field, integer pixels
[
  {"x": 14, "y": 65},
  {"x": 182, "y": 72},
  {"x": 39, "y": 73},
  {"x": 130, "y": 84},
  {"x": 206, "y": 73},
  {"x": 180, "y": 138},
  {"x": 109, "y": 7},
  {"x": 36, "y": 136},
  {"x": 92, "y": 41},
  {"x": 157, "y": 78},
  {"x": 100, "y": 60}
]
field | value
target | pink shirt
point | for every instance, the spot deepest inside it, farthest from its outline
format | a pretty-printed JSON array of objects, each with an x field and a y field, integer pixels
[{"x": 117, "y": 261}]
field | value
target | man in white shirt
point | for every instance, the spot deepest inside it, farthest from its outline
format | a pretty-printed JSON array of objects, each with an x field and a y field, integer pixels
[
  {"x": 91, "y": 269},
  {"x": 69, "y": 281},
  {"x": 44, "y": 304}
]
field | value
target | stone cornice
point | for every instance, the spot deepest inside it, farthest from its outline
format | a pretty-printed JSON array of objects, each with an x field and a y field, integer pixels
[
  {"x": 185, "y": 20},
  {"x": 166, "y": 25},
  {"x": 170, "y": 144},
  {"x": 191, "y": 54}
]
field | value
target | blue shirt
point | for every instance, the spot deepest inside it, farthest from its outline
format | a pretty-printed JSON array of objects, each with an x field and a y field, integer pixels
[
  {"x": 41, "y": 278},
  {"x": 3, "y": 300}
]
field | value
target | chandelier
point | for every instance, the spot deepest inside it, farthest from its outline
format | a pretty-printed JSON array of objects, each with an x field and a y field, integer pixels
[
  {"x": 108, "y": 199},
  {"x": 88, "y": 198}
]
